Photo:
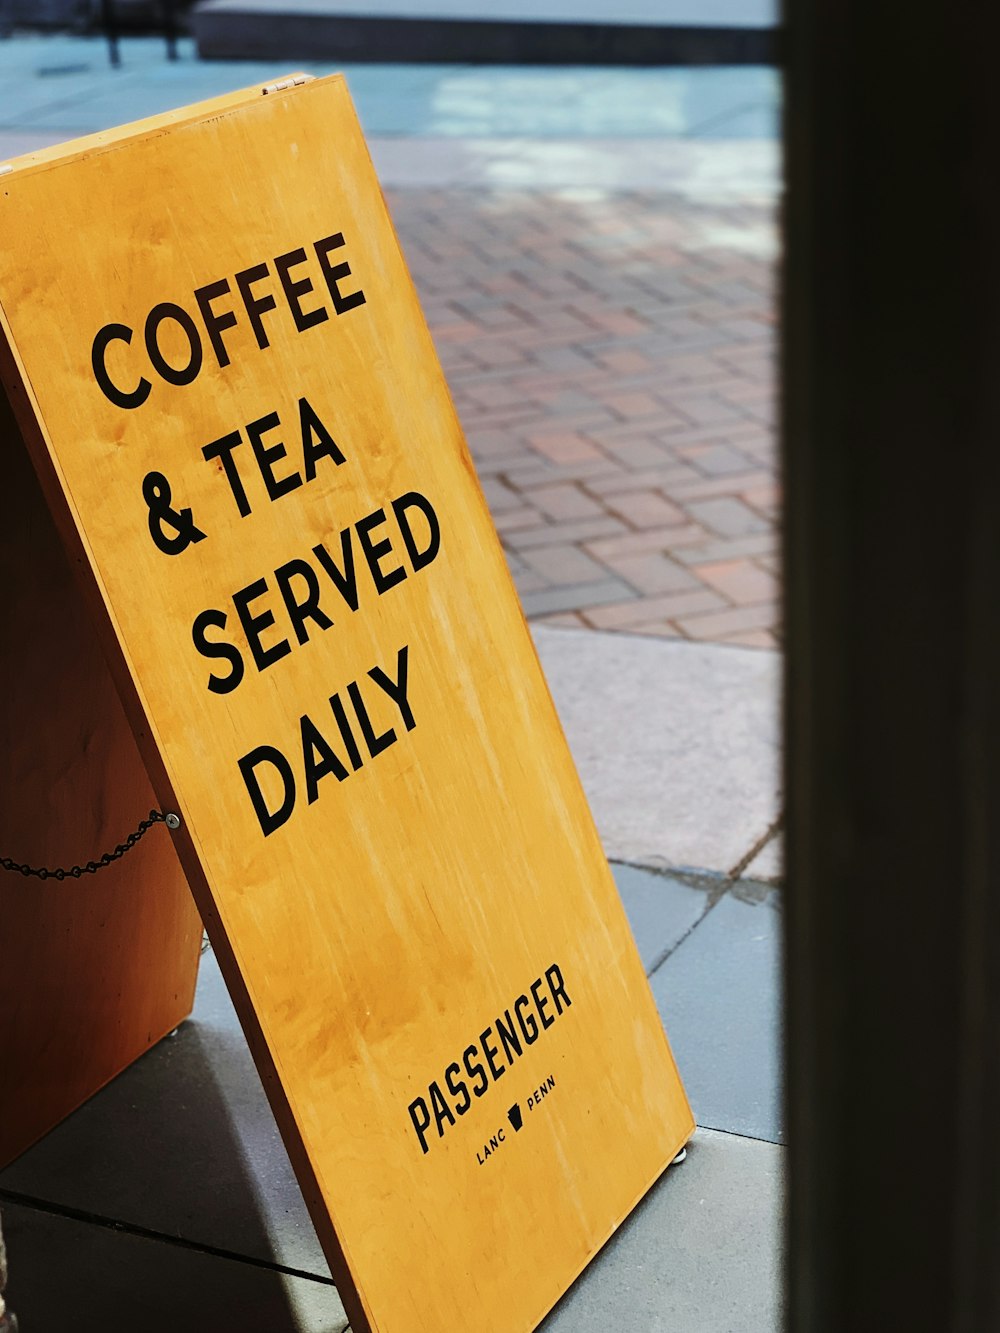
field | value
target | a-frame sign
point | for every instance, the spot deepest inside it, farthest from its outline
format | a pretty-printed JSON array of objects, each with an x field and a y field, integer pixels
[{"x": 233, "y": 407}]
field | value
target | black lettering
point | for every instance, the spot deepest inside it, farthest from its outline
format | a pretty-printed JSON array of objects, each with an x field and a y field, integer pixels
[
  {"x": 558, "y": 988},
  {"x": 541, "y": 1003},
  {"x": 318, "y": 758},
  {"x": 376, "y": 744},
  {"x": 215, "y": 324},
  {"x": 475, "y": 1070},
  {"x": 266, "y": 457},
  {"x": 253, "y": 625},
  {"x": 255, "y": 306},
  {"x": 527, "y": 1023},
  {"x": 414, "y": 500},
  {"x": 293, "y": 290},
  {"x": 396, "y": 689},
  {"x": 223, "y": 448},
  {"x": 335, "y": 274},
  {"x": 441, "y": 1109},
  {"x": 120, "y": 397},
  {"x": 345, "y": 581},
  {"x": 324, "y": 445},
  {"x": 421, "y": 1118},
  {"x": 457, "y": 1087},
  {"x": 491, "y": 1052},
  {"x": 375, "y": 552},
  {"x": 508, "y": 1039},
  {"x": 159, "y": 313},
  {"x": 228, "y": 651},
  {"x": 269, "y": 820},
  {"x": 350, "y": 744},
  {"x": 306, "y": 609}
]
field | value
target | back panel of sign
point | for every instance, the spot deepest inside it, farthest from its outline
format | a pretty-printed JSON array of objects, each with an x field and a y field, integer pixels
[
  {"x": 233, "y": 402},
  {"x": 93, "y": 970}
]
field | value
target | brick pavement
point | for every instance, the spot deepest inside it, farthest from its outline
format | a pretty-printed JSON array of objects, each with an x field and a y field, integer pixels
[{"x": 611, "y": 359}]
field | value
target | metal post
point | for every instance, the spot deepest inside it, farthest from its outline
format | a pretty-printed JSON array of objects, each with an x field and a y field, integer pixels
[
  {"x": 170, "y": 28},
  {"x": 109, "y": 23},
  {"x": 891, "y": 438}
]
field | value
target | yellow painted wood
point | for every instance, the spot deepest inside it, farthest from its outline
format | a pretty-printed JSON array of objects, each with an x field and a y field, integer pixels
[{"x": 449, "y": 887}]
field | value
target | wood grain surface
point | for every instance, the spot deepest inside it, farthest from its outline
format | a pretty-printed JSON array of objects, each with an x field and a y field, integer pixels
[
  {"x": 92, "y": 971},
  {"x": 328, "y": 669}
]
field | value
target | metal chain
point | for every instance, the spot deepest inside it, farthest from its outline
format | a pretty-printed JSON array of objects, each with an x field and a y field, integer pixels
[{"x": 91, "y": 868}]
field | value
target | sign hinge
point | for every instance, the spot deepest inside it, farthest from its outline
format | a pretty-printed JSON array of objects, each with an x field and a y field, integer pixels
[{"x": 282, "y": 84}]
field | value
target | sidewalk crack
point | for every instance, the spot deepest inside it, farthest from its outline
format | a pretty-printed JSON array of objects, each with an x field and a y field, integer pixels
[
  {"x": 148, "y": 1233},
  {"x": 715, "y": 896},
  {"x": 771, "y": 832}
]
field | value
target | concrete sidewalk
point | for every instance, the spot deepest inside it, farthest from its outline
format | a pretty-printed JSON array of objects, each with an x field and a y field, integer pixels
[
  {"x": 595, "y": 253},
  {"x": 173, "y": 1179},
  {"x": 57, "y": 85},
  {"x": 167, "y": 1201}
]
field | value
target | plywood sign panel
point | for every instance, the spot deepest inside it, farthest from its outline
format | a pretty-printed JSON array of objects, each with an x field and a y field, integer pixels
[
  {"x": 235, "y": 404},
  {"x": 93, "y": 971}
]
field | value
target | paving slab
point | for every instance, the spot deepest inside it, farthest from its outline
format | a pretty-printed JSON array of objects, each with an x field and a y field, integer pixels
[
  {"x": 582, "y": 171},
  {"x": 66, "y": 82},
  {"x": 676, "y": 743},
  {"x": 196, "y": 1099},
  {"x": 182, "y": 1143},
  {"x": 546, "y": 102},
  {"x": 67, "y": 1274},
  {"x": 663, "y": 909},
  {"x": 701, "y": 1253},
  {"x": 732, "y": 170},
  {"x": 719, "y": 996}
]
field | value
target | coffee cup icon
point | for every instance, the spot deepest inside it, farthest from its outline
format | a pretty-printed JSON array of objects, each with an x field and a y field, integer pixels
[{"x": 515, "y": 1117}]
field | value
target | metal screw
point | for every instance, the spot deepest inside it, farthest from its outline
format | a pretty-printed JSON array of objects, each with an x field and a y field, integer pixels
[{"x": 172, "y": 821}]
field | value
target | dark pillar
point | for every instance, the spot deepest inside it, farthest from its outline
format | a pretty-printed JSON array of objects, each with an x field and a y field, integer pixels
[
  {"x": 170, "y": 27},
  {"x": 109, "y": 22},
  {"x": 891, "y": 406}
]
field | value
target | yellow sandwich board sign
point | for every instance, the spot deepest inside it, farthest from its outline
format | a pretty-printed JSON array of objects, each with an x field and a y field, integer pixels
[{"x": 232, "y": 401}]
